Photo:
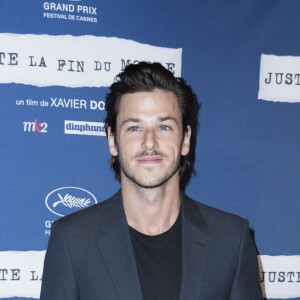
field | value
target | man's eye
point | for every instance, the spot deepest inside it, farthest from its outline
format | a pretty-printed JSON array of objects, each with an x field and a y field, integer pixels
[
  {"x": 164, "y": 127},
  {"x": 134, "y": 128}
]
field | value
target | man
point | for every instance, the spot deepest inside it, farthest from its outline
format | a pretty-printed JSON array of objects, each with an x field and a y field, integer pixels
[{"x": 150, "y": 241}]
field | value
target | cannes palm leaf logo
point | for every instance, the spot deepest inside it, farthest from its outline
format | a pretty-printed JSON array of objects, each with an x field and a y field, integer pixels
[{"x": 72, "y": 201}]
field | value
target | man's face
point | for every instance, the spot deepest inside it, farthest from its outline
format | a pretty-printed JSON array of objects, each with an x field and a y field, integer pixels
[{"x": 149, "y": 138}]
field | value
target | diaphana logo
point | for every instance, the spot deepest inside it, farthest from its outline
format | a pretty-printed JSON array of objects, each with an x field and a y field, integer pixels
[
  {"x": 84, "y": 128},
  {"x": 65, "y": 200}
]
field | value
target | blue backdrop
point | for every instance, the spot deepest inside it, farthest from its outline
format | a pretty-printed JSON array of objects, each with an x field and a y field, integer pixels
[{"x": 247, "y": 154}]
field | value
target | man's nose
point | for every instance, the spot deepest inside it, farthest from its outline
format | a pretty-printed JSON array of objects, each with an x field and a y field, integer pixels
[{"x": 150, "y": 139}]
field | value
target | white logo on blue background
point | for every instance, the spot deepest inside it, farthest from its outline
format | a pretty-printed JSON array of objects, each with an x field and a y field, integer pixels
[{"x": 65, "y": 200}]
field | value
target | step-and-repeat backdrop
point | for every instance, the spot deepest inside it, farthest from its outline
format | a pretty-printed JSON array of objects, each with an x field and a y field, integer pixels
[{"x": 57, "y": 59}]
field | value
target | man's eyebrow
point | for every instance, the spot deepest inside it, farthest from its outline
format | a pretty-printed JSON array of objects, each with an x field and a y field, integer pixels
[
  {"x": 168, "y": 118},
  {"x": 134, "y": 120},
  {"x": 137, "y": 120}
]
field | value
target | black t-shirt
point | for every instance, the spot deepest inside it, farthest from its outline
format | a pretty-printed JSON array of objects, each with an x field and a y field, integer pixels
[{"x": 158, "y": 260}]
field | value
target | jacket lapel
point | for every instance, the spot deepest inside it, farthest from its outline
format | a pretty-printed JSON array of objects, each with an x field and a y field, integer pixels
[
  {"x": 116, "y": 250},
  {"x": 195, "y": 250}
]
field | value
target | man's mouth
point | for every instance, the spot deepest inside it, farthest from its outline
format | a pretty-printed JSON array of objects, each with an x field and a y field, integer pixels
[{"x": 150, "y": 159}]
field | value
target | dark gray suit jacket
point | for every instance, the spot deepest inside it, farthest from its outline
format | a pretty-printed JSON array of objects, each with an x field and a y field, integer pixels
[{"x": 90, "y": 256}]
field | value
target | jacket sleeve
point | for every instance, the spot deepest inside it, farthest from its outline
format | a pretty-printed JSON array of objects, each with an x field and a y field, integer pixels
[
  {"x": 58, "y": 281},
  {"x": 246, "y": 283}
]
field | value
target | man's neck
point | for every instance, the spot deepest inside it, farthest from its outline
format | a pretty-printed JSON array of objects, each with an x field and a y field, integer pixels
[{"x": 151, "y": 211}]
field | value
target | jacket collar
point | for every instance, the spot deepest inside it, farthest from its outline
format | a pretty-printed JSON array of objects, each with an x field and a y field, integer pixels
[
  {"x": 116, "y": 249},
  {"x": 195, "y": 249},
  {"x": 117, "y": 252}
]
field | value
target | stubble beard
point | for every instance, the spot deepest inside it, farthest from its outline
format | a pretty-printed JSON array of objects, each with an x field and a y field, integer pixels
[{"x": 149, "y": 183}]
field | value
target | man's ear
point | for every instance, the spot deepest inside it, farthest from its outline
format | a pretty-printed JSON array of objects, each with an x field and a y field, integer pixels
[
  {"x": 185, "y": 149},
  {"x": 113, "y": 149}
]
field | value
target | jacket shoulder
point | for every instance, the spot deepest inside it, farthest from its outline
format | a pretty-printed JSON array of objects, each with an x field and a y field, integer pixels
[
  {"x": 212, "y": 217},
  {"x": 96, "y": 214}
]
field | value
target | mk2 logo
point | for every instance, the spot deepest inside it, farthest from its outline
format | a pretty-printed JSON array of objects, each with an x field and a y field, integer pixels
[{"x": 36, "y": 126}]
